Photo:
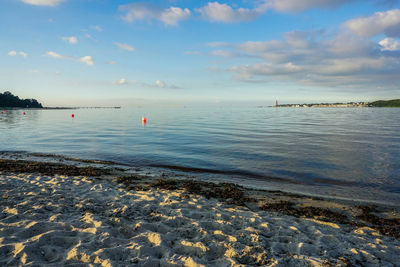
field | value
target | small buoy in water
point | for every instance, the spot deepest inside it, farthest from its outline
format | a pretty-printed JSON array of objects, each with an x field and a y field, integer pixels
[
  {"x": 24, "y": 113},
  {"x": 73, "y": 115},
  {"x": 144, "y": 120},
  {"x": 2, "y": 112}
]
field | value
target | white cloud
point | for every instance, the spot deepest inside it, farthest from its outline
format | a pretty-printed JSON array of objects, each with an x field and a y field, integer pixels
[
  {"x": 387, "y": 22},
  {"x": 138, "y": 11},
  {"x": 88, "y": 60},
  {"x": 192, "y": 53},
  {"x": 43, "y": 2},
  {"x": 390, "y": 44},
  {"x": 350, "y": 66},
  {"x": 268, "y": 69},
  {"x": 319, "y": 58},
  {"x": 217, "y": 12},
  {"x": 23, "y": 54},
  {"x": 223, "y": 12},
  {"x": 71, "y": 40},
  {"x": 259, "y": 47},
  {"x": 122, "y": 81},
  {"x": 14, "y": 53},
  {"x": 144, "y": 11},
  {"x": 112, "y": 62},
  {"x": 171, "y": 16},
  {"x": 160, "y": 83},
  {"x": 293, "y": 6},
  {"x": 223, "y": 53},
  {"x": 125, "y": 46},
  {"x": 55, "y": 55},
  {"x": 218, "y": 44}
]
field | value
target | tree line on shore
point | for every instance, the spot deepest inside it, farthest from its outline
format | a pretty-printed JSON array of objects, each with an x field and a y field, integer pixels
[
  {"x": 7, "y": 99},
  {"x": 395, "y": 103}
]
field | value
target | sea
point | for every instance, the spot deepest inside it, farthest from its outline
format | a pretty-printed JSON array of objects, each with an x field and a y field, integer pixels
[{"x": 343, "y": 153}]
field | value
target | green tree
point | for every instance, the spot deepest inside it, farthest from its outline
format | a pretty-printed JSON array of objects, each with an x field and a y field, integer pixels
[{"x": 7, "y": 99}]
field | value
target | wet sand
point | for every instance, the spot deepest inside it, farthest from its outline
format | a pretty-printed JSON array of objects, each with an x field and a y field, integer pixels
[{"x": 55, "y": 214}]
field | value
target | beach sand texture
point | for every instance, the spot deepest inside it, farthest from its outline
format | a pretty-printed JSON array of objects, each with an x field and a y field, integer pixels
[{"x": 80, "y": 221}]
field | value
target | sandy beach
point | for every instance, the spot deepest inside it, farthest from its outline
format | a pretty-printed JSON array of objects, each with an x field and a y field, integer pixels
[{"x": 51, "y": 218}]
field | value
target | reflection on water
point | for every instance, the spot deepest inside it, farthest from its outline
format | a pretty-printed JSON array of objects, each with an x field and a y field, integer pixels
[
  {"x": 16, "y": 117},
  {"x": 353, "y": 152}
]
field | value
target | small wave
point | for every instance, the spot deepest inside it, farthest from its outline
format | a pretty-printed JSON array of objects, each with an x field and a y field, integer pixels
[{"x": 225, "y": 172}]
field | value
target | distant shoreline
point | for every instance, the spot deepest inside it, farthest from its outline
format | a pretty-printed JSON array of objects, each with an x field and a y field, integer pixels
[
  {"x": 394, "y": 103},
  {"x": 327, "y": 105},
  {"x": 81, "y": 107},
  {"x": 58, "y": 108}
]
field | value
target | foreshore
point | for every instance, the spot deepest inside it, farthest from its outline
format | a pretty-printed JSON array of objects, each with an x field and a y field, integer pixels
[{"x": 81, "y": 213}]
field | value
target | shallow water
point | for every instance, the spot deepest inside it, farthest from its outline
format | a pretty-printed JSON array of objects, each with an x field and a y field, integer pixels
[{"x": 343, "y": 152}]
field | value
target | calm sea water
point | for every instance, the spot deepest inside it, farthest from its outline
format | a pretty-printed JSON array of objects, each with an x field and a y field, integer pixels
[{"x": 342, "y": 152}]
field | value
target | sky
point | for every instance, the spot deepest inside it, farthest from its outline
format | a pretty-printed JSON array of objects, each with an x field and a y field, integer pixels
[{"x": 183, "y": 53}]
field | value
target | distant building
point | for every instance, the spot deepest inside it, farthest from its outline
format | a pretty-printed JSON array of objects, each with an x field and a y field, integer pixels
[{"x": 276, "y": 103}]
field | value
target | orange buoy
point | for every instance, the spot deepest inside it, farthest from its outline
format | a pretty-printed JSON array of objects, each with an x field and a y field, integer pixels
[
  {"x": 144, "y": 119},
  {"x": 73, "y": 115}
]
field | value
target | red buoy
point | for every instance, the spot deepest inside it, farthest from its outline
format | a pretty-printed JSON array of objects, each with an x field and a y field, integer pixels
[
  {"x": 2, "y": 112},
  {"x": 144, "y": 119},
  {"x": 24, "y": 113},
  {"x": 73, "y": 115}
]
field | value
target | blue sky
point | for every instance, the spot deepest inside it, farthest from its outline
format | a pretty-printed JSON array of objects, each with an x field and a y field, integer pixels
[{"x": 181, "y": 52}]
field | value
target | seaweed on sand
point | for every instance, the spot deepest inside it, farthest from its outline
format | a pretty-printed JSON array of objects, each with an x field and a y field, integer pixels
[
  {"x": 232, "y": 193},
  {"x": 46, "y": 168},
  {"x": 290, "y": 208},
  {"x": 387, "y": 226}
]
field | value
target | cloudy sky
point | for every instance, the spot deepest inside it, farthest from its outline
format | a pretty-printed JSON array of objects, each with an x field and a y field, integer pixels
[{"x": 243, "y": 52}]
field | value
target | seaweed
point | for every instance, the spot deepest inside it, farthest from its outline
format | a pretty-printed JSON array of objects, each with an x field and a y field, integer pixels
[
  {"x": 46, "y": 168},
  {"x": 390, "y": 227}
]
